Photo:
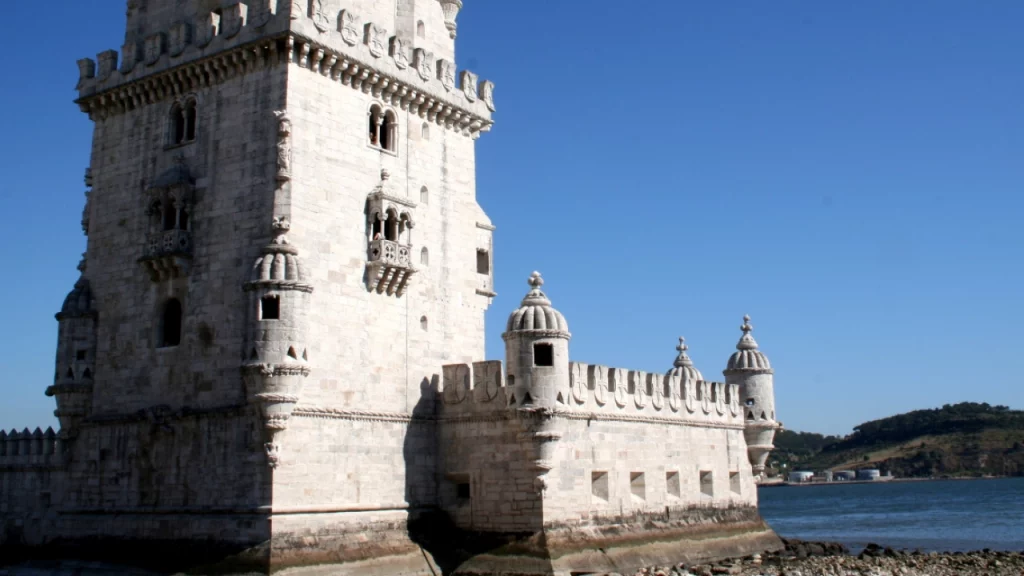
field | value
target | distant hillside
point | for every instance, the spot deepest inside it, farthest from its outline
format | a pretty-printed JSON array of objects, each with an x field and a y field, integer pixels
[{"x": 966, "y": 439}]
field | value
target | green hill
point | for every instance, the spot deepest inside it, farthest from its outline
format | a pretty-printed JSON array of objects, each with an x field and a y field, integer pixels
[{"x": 966, "y": 439}]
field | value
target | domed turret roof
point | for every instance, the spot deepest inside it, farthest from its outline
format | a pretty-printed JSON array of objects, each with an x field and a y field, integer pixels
[
  {"x": 536, "y": 316},
  {"x": 78, "y": 302},
  {"x": 683, "y": 366},
  {"x": 747, "y": 356},
  {"x": 279, "y": 264}
]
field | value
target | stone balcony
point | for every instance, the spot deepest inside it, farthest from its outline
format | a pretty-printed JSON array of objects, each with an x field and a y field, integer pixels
[
  {"x": 167, "y": 254},
  {"x": 389, "y": 267}
]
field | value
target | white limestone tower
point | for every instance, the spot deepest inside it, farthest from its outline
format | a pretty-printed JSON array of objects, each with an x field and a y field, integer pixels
[
  {"x": 537, "y": 350},
  {"x": 749, "y": 368}
]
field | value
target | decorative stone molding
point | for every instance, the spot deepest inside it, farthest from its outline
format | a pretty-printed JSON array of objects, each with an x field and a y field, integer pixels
[
  {"x": 389, "y": 252},
  {"x": 107, "y": 63},
  {"x": 399, "y": 51},
  {"x": 168, "y": 249},
  {"x": 376, "y": 39},
  {"x": 284, "y": 146},
  {"x": 261, "y": 12},
  {"x": 468, "y": 81},
  {"x": 233, "y": 19},
  {"x": 487, "y": 94},
  {"x": 319, "y": 15},
  {"x": 131, "y": 53},
  {"x": 154, "y": 48},
  {"x": 446, "y": 74}
]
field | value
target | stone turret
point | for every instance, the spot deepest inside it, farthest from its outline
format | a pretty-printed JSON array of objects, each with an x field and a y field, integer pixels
[
  {"x": 749, "y": 368},
  {"x": 277, "y": 361},
  {"x": 537, "y": 350},
  {"x": 76, "y": 356}
]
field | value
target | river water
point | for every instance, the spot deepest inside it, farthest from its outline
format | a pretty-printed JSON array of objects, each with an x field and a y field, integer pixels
[{"x": 941, "y": 515}]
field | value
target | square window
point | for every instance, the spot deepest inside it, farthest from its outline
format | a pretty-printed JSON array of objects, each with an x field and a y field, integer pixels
[
  {"x": 270, "y": 308},
  {"x": 707, "y": 483},
  {"x": 672, "y": 484},
  {"x": 543, "y": 355},
  {"x": 462, "y": 490},
  {"x": 483, "y": 262},
  {"x": 599, "y": 485},
  {"x": 80, "y": 355},
  {"x": 637, "y": 486}
]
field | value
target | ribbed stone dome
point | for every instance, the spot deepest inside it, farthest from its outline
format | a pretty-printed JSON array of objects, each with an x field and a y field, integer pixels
[
  {"x": 683, "y": 366},
  {"x": 277, "y": 264},
  {"x": 535, "y": 314},
  {"x": 747, "y": 356},
  {"x": 79, "y": 301}
]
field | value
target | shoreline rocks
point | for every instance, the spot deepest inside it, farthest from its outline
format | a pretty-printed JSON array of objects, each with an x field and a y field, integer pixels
[{"x": 800, "y": 558}]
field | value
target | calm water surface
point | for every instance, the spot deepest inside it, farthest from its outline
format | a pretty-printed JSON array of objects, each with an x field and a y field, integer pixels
[{"x": 941, "y": 515}]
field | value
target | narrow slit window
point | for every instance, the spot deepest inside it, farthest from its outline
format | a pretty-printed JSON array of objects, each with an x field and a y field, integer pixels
[
  {"x": 270, "y": 308},
  {"x": 543, "y": 355},
  {"x": 672, "y": 484},
  {"x": 190, "y": 120},
  {"x": 599, "y": 485},
  {"x": 707, "y": 484},
  {"x": 637, "y": 485}
]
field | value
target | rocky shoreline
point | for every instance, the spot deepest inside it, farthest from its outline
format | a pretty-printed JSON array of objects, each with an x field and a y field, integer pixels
[{"x": 801, "y": 558}]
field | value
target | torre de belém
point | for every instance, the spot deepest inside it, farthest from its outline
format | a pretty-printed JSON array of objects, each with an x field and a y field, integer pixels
[{"x": 273, "y": 360}]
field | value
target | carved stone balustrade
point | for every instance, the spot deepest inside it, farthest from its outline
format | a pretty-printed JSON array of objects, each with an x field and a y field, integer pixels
[
  {"x": 390, "y": 266},
  {"x": 168, "y": 254}
]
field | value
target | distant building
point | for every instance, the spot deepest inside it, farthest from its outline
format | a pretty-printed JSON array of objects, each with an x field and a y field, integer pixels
[
  {"x": 868, "y": 474},
  {"x": 844, "y": 475},
  {"x": 801, "y": 476}
]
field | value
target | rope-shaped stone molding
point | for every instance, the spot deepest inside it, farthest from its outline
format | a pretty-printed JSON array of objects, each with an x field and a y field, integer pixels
[{"x": 307, "y": 411}]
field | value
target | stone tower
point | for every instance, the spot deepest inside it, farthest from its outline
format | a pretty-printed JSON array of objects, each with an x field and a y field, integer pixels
[
  {"x": 749, "y": 368},
  {"x": 537, "y": 350},
  {"x": 284, "y": 248}
]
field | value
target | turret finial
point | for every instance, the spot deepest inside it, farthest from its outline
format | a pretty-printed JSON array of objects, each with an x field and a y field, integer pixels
[
  {"x": 535, "y": 280},
  {"x": 683, "y": 359},
  {"x": 747, "y": 341}
]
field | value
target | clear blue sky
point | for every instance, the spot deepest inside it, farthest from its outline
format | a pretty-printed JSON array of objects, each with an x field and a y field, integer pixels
[{"x": 848, "y": 173}]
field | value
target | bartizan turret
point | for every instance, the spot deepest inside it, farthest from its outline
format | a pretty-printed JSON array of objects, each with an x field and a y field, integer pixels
[
  {"x": 76, "y": 356},
  {"x": 537, "y": 351},
  {"x": 277, "y": 361},
  {"x": 750, "y": 369}
]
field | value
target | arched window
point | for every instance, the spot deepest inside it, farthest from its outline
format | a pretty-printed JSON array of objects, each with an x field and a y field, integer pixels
[
  {"x": 170, "y": 324},
  {"x": 383, "y": 128},
  {"x": 424, "y": 323},
  {"x": 421, "y": 30},
  {"x": 425, "y": 131},
  {"x": 425, "y": 257},
  {"x": 424, "y": 195},
  {"x": 391, "y": 226}
]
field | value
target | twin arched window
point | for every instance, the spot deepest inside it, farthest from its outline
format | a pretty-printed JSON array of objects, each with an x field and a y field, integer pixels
[
  {"x": 383, "y": 128},
  {"x": 183, "y": 122}
]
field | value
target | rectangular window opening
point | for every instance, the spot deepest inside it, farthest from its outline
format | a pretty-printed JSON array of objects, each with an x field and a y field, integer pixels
[
  {"x": 734, "y": 483},
  {"x": 463, "y": 488},
  {"x": 270, "y": 308},
  {"x": 707, "y": 484},
  {"x": 483, "y": 262},
  {"x": 543, "y": 355},
  {"x": 599, "y": 485},
  {"x": 672, "y": 484},
  {"x": 80, "y": 355},
  {"x": 637, "y": 486}
]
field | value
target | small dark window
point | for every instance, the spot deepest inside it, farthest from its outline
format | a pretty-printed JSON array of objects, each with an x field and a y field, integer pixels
[
  {"x": 750, "y": 402},
  {"x": 483, "y": 262},
  {"x": 270, "y": 308},
  {"x": 177, "y": 124},
  {"x": 170, "y": 326},
  {"x": 462, "y": 490},
  {"x": 87, "y": 374},
  {"x": 543, "y": 355},
  {"x": 190, "y": 120},
  {"x": 383, "y": 128},
  {"x": 182, "y": 219},
  {"x": 80, "y": 355},
  {"x": 170, "y": 218}
]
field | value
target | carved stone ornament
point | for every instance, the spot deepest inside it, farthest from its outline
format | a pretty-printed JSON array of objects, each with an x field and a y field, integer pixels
[
  {"x": 178, "y": 38},
  {"x": 107, "y": 63},
  {"x": 469, "y": 87},
  {"x": 487, "y": 94},
  {"x": 86, "y": 69},
  {"x": 284, "y": 146},
  {"x": 129, "y": 56},
  {"x": 205, "y": 27},
  {"x": 423, "y": 61},
  {"x": 620, "y": 388},
  {"x": 446, "y": 73},
  {"x": 319, "y": 16},
  {"x": 154, "y": 48},
  {"x": 639, "y": 392},
  {"x": 657, "y": 392},
  {"x": 451, "y": 9},
  {"x": 688, "y": 392},
  {"x": 85, "y": 215},
  {"x": 234, "y": 19},
  {"x": 400, "y": 52},
  {"x": 348, "y": 25},
  {"x": 600, "y": 385},
  {"x": 376, "y": 39}
]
